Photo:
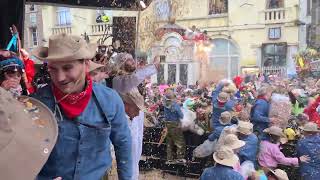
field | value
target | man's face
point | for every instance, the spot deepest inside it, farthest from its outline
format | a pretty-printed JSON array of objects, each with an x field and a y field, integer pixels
[
  {"x": 130, "y": 65},
  {"x": 98, "y": 75},
  {"x": 68, "y": 76}
]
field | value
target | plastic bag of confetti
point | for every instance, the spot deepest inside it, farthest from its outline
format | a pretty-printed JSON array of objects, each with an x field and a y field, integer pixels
[
  {"x": 280, "y": 108},
  {"x": 205, "y": 149},
  {"x": 188, "y": 122}
]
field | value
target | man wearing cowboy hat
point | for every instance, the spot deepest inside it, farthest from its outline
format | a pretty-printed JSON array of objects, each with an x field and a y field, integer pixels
[
  {"x": 172, "y": 116},
  {"x": 270, "y": 155},
  {"x": 310, "y": 145},
  {"x": 224, "y": 121},
  {"x": 221, "y": 102},
  {"x": 28, "y": 133},
  {"x": 90, "y": 116},
  {"x": 249, "y": 151},
  {"x": 96, "y": 72},
  {"x": 225, "y": 160},
  {"x": 259, "y": 114},
  {"x": 126, "y": 83}
]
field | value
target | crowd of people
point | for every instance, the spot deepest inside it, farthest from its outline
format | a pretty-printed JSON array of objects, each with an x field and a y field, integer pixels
[{"x": 96, "y": 107}]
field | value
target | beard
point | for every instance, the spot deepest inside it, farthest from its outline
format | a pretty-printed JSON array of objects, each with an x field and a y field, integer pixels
[{"x": 130, "y": 69}]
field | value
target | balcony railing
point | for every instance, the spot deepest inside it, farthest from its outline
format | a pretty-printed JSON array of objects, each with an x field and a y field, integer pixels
[
  {"x": 99, "y": 29},
  {"x": 275, "y": 15},
  {"x": 280, "y": 71},
  {"x": 60, "y": 30}
]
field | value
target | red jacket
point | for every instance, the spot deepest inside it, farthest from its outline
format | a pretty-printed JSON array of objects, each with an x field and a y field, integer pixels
[
  {"x": 311, "y": 111},
  {"x": 30, "y": 72}
]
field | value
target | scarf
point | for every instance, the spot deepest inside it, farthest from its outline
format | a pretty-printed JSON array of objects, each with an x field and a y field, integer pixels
[
  {"x": 262, "y": 97},
  {"x": 74, "y": 104}
]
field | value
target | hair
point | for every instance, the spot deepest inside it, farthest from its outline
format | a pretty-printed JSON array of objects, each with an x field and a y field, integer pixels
[
  {"x": 273, "y": 138},
  {"x": 263, "y": 90}
]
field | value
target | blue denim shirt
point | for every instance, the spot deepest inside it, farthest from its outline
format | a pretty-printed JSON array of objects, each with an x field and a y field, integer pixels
[
  {"x": 82, "y": 150},
  {"x": 216, "y": 111},
  {"x": 310, "y": 146},
  {"x": 173, "y": 113},
  {"x": 215, "y": 135},
  {"x": 220, "y": 172},
  {"x": 249, "y": 151},
  {"x": 260, "y": 116}
]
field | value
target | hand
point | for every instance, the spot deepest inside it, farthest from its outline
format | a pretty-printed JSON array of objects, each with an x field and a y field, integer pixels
[
  {"x": 274, "y": 120},
  {"x": 7, "y": 84},
  {"x": 304, "y": 158}
]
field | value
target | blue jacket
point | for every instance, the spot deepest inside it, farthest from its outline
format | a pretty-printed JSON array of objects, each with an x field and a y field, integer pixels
[
  {"x": 310, "y": 146},
  {"x": 220, "y": 172},
  {"x": 260, "y": 115},
  {"x": 216, "y": 111},
  {"x": 173, "y": 113},
  {"x": 249, "y": 151},
  {"x": 217, "y": 132},
  {"x": 82, "y": 150}
]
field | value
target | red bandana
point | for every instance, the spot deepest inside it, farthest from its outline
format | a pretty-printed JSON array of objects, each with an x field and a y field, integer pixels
[
  {"x": 74, "y": 104},
  {"x": 262, "y": 97},
  {"x": 221, "y": 104}
]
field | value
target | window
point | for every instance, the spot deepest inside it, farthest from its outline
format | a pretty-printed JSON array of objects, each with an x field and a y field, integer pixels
[
  {"x": 63, "y": 16},
  {"x": 224, "y": 58},
  {"x": 274, "y": 54},
  {"x": 33, "y": 19},
  {"x": 183, "y": 74},
  {"x": 34, "y": 36},
  {"x": 218, "y": 6},
  {"x": 273, "y": 4},
  {"x": 309, "y": 7},
  {"x": 32, "y": 7},
  {"x": 160, "y": 74},
  {"x": 274, "y": 33},
  {"x": 172, "y": 70}
]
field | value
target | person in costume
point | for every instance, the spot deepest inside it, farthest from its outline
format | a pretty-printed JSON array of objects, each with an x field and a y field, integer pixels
[
  {"x": 11, "y": 71},
  {"x": 126, "y": 83},
  {"x": 90, "y": 116},
  {"x": 29, "y": 69}
]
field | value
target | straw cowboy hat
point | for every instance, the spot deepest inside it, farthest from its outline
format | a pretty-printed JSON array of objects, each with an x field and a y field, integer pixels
[
  {"x": 245, "y": 128},
  {"x": 280, "y": 174},
  {"x": 169, "y": 95},
  {"x": 230, "y": 89},
  {"x": 223, "y": 97},
  {"x": 119, "y": 60},
  {"x": 28, "y": 133},
  {"x": 310, "y": 127},
  {"x": 274, "y": 130},
  {"x": 93, "y": 66},
  {"x": 135, "y": 98},
  {"x": 225, "y": 156},
  {"x": 65, "y": 47},
  {"x": 225, "y": 118},
  {"x": 231, "y": 141}
]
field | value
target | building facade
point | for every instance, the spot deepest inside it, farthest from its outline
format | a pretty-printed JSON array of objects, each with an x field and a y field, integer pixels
[
  {"x": 95, "y": 25},
  {"x": 313, "y": 27},
  {"x": 244, "y": 36},
  {"x": 33, "y": 27}
]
